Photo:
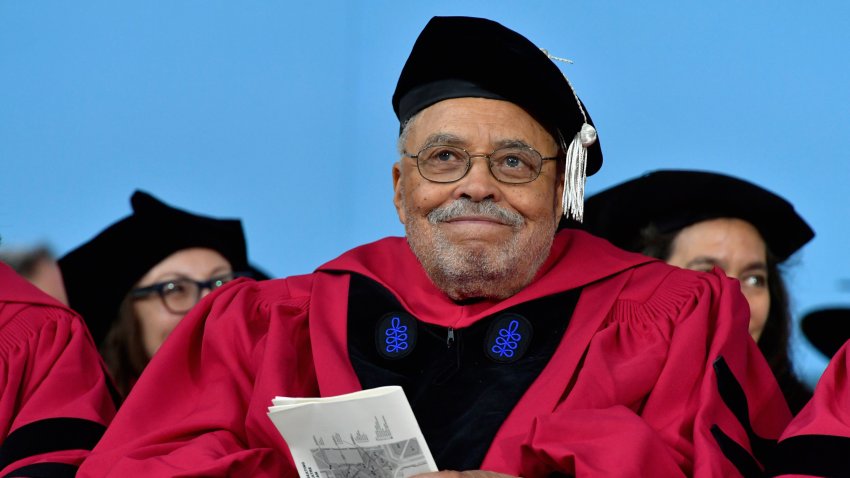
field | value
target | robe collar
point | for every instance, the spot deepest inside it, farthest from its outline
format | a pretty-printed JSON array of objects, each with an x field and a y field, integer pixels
[
  {"x": 17, "y": 289},
  {"x": 576, "y": 260}
]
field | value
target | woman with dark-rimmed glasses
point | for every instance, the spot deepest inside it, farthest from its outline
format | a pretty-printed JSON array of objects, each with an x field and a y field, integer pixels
[{"x": 134, "y": 281}]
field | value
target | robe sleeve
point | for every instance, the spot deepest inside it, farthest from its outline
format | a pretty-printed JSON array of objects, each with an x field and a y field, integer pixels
[
  {"x": 653, "y": 395},
  {"x": 716, "y": 389},
  {"x": 817, "y": 441},
  {"x": 56, "y": 399},
  {"x": 209, "y": 368}
]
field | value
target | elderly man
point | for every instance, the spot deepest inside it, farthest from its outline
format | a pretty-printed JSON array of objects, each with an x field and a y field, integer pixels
[{"x": 527, "y": 352}]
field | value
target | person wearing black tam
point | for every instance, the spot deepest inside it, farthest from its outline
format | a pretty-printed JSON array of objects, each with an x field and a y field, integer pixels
[
  {"x": 827, "y": 328},
  {"x": 699, "y": 220},
  {"x": 817, "y": 441},
  {"x": 521, "y": 350},
  {"x": 134, "y": 281}
]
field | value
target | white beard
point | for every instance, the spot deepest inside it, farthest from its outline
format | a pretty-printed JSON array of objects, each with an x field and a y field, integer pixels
[{"x": 471, "y": 272}]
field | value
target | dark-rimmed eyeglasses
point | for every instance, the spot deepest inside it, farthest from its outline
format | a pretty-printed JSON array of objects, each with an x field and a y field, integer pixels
[
  {"x": 181, "y": 294},
  {"x": 441, "y": 163}
]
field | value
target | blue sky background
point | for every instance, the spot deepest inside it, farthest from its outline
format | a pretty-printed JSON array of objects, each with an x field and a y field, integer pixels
[{"x": 279, "y": 113}]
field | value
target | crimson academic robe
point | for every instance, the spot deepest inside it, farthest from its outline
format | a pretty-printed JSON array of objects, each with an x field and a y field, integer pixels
[
  {"x": 817, "y": 441},
  {"x": 54, "y": 397},
  {"x": 631, "y": 389}
]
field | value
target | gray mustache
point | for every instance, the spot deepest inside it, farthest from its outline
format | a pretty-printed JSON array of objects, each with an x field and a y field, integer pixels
[{"x": 466, "y": 207}]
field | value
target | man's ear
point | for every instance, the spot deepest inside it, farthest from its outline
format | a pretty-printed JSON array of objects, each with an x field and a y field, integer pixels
[{"x": 397, "y": 192}]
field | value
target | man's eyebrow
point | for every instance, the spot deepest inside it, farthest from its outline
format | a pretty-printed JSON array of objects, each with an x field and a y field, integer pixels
[
  {"x": 512, "y": 143},
  {"x": 454, "y": 140},
  {"x": 443, "y": 138}
]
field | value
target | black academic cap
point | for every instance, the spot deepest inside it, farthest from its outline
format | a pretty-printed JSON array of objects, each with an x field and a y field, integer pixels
[
  {"x": 827, "y": 329},
  {"x": 674, "y": 199},
  {"x": 100, "y": 273},
  {"x": 459, "y": 57}
]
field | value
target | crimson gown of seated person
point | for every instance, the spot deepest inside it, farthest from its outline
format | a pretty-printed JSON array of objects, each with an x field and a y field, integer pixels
[
  {"x": 630, "y": 358},
  {"x": 54, "y": 395}
]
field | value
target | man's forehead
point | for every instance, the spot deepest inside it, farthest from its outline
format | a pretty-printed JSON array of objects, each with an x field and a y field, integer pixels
[
  {"x": 461, "y": 121},
  {"x": 451, "y": 139}
]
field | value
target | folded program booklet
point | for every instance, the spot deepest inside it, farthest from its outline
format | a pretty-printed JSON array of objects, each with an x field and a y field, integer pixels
[{"x": 366, "y": 434}]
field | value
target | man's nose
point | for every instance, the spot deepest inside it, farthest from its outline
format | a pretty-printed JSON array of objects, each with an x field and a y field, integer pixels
[{"x": 479, "y": 183}]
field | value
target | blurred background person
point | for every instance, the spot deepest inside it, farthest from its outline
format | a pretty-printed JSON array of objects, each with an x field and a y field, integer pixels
[
  {"x": 817, "y": 441},
  {"x": 134, "y": 281},
  {"x": 37, "y": 265},
  {"x": 55, "y": 400},
  {"x": 698, "y": 220}
]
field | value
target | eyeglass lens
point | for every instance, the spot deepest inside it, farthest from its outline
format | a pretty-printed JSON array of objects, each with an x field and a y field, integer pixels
[
  {"x": 448, "y": 163},
  {"x": 180, "y": 295}
]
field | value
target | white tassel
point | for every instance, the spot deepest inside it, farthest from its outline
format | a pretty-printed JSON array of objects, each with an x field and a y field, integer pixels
[{"x": 575, "y": 174}]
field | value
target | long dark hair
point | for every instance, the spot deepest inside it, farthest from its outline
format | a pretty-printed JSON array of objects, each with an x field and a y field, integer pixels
[
  {"x": 123, "y": 350},
  {"x": 774, "y": 338}
]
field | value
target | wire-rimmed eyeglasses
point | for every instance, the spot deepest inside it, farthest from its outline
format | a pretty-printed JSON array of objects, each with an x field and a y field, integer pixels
[
  {"x": 442, "y": 163},
  {"x": 181, "y": 294}
]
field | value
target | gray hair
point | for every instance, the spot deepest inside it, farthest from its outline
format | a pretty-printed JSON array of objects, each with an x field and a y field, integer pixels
[{"x": 405, "y": 132}]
